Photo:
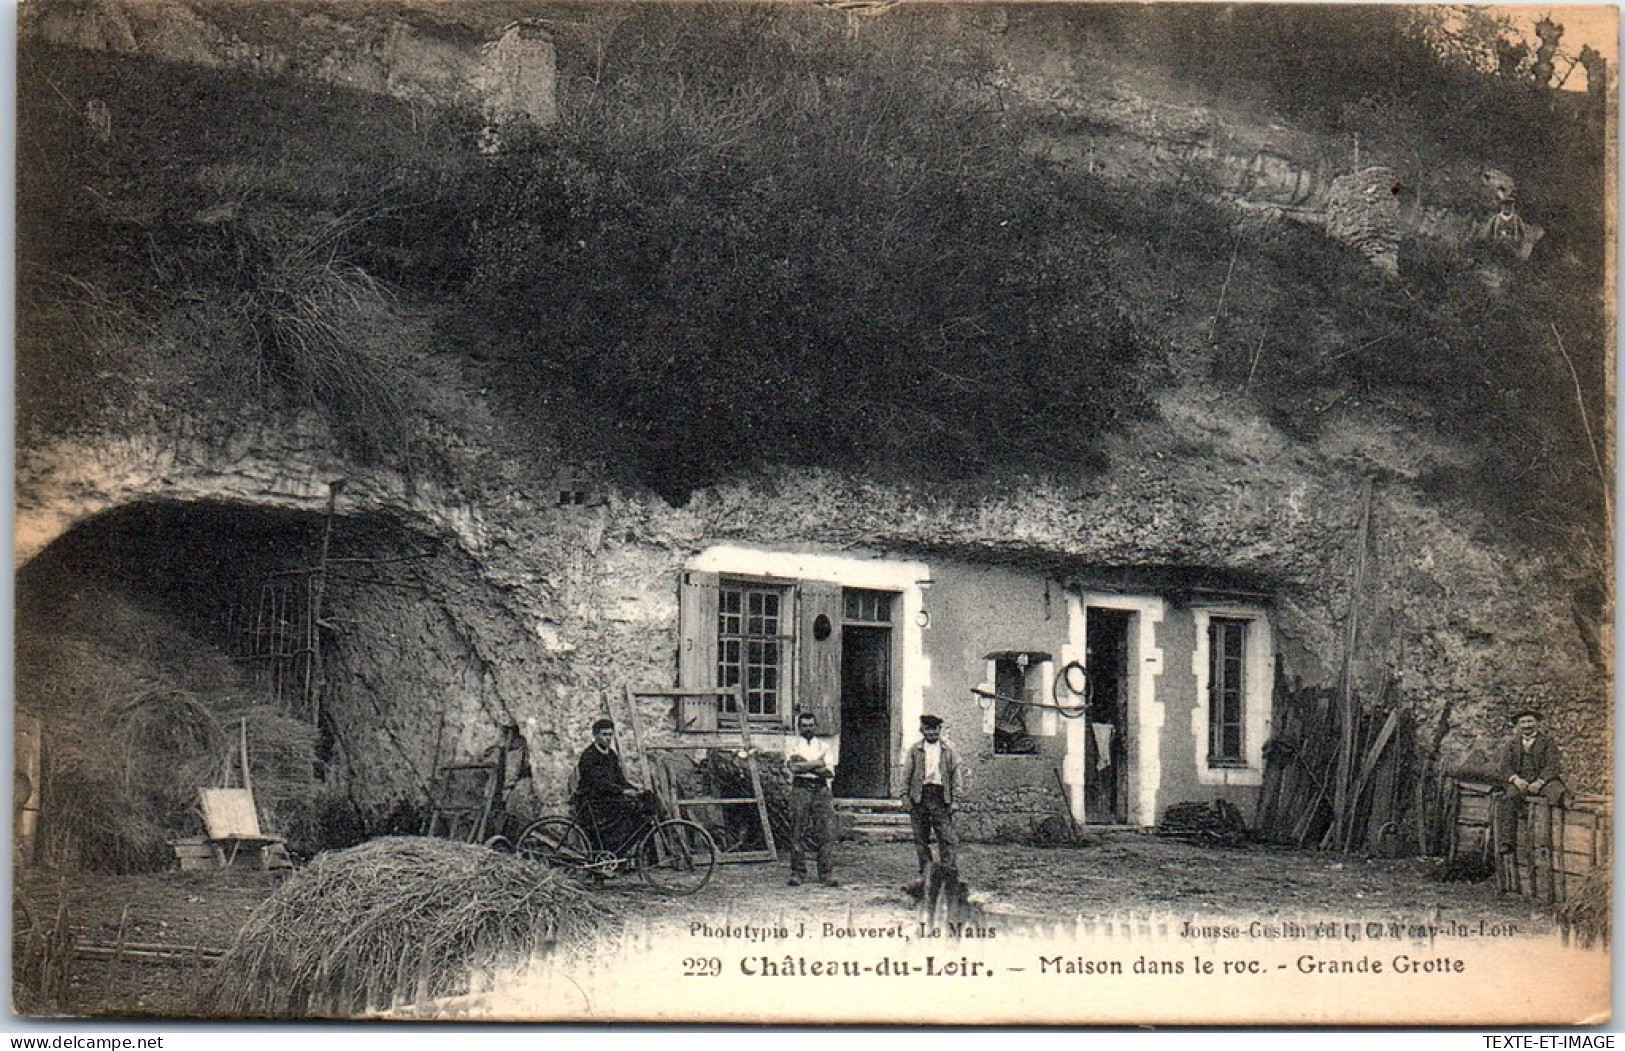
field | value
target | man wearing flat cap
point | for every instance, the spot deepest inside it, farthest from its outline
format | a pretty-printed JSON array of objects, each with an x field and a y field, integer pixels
[
  {"x": 931, "y": 785},
  {"x": 1530, "y": 766}
]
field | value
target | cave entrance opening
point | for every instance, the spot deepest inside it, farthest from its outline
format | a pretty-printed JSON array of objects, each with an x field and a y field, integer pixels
[{"x": 152, "y": 636}]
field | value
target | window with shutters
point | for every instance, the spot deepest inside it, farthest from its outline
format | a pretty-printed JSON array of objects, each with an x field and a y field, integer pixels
[
  {"x": 1227, "y": 692},
  {"x": 754, "y": 639}
]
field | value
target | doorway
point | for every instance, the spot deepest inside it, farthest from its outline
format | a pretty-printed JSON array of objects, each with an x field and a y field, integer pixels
[
  {"x": 1106, "y": 787},
  {"x": 864, "y": 771}
]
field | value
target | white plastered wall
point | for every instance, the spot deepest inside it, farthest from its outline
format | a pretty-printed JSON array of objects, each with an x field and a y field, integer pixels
[
  {"x": 908, "y": 579},
  {"x": 1146, "y": 658},
  {"x": 1260, "y": 672}
]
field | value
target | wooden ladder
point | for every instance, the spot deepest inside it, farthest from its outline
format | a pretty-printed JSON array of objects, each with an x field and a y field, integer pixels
[
  {"x": 461, "y": 799},
  {"x": 679, "y": 805}
]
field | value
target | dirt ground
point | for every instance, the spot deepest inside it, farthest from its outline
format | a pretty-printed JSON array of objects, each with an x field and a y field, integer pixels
[{"x": 1113, "y": 874}]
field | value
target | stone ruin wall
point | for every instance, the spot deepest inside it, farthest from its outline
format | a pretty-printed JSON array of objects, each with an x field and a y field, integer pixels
[{"x": 510, "y": 77}]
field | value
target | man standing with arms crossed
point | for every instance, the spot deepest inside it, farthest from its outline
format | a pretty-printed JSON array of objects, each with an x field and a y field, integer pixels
[
  {"x": 812, "y": 806},
  {"x": 931, "y": 781}
]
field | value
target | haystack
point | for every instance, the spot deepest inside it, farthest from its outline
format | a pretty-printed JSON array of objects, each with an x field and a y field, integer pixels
[
  {"x": 392, "y": 922},
  {"x": 138, "y": 714}
]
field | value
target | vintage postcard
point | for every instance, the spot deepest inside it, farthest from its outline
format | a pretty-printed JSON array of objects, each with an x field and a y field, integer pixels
[{"x": 861, "y": 511}]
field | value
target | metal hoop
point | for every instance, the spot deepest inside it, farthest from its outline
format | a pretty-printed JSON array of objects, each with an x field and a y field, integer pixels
[{"x": 1072, "y": 690}]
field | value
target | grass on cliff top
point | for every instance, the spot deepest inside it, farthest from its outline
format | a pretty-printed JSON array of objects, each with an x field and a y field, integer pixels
[{"x": 810, "y": 253}]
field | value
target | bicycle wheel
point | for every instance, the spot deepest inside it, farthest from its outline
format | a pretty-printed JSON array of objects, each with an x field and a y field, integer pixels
[
  {"x": 554, "y": 841},
  {"x": 677, "y": 857}
]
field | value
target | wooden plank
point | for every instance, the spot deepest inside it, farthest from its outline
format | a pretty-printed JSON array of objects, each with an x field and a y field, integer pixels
[
  {"x": 229, "y": 812},
  {"x": 1560, "y": 884},
  {"x": 637, "y": 737},
  {"x": 1343, "y": 773},
  {"x": 1367, "y": 768},
  {"x": 1538, "y": 822},
  {"x": 818, "y": 658},
  {"x": 697, "y": 624},
  {"x": 771, "y": 848},
  {"x": 737, "y": 856},
  {"x": 1580, "y": 834},
  {"x": 242, "y": 738},
  {"x": 1575, "y": 864},
  {"x": 133, "y": 951},
  {"x": 117, "y": 956}
]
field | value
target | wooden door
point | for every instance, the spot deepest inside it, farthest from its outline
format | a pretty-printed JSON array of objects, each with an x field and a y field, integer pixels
[{"x": 865, "y": 768}]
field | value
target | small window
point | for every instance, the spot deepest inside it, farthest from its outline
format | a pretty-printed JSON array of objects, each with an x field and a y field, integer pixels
[
  {"x": 1011, "y": 720},
  {"x": 573, "y": 486},
  {"x": 752, "y": 646},
  {"x": 867, "y": 607},
  {"x": 1227, "y": 691}
]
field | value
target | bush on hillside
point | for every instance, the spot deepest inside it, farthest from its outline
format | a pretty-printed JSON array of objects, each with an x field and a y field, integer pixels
[{"x": 825, "y": 256}]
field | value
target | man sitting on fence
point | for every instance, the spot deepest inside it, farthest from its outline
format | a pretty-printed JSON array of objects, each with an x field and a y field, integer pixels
[
  {"x": 1530, "y": 766},
  {"x": 612, "y": 807}
]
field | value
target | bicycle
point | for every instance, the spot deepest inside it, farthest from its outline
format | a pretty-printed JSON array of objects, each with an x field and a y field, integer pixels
[{"x": 672, "y": 855}]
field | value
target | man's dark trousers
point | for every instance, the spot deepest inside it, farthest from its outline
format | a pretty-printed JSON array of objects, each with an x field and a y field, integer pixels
[
  {"x": 931, "y": 814},
  {"x": 1510, "y": 807},
  {"x": 812, "y": 823}
]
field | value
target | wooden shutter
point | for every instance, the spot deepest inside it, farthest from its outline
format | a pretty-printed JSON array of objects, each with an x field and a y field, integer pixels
[
  {"x": 697, "y": 630},
  {"x": 818, "y": 689}
]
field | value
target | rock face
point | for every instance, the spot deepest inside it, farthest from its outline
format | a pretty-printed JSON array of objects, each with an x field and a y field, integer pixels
[
  {"x": 501, "y": 601},
  {"x": 531, "y": 614}
]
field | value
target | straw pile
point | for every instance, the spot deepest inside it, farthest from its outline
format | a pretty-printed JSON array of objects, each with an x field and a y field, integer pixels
[
  {"x": 395, "y": 921},
  {"x": 138, "y": 715}
]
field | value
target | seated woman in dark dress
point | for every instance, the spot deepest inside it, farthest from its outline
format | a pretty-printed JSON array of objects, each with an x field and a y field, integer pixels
[{"x": 610, "y": 806}]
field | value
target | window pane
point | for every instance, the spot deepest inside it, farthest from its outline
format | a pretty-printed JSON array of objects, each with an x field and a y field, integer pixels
[
  {"x": 1227, "y": 672},
  {"x": 749, "y": 651},
  {"x": 867, "y": 606}
]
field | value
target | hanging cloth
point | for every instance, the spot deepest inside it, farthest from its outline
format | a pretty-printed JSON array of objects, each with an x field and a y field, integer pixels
[{"x": 1103, "y": 744}]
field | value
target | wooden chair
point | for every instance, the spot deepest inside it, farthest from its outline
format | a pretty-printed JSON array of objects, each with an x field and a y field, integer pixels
[{"x": 232, "y": 823}]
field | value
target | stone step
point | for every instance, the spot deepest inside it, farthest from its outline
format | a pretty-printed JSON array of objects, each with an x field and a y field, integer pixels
[
  {"x": 879, "y": 834},
  {"x": 870, "y": 806}
]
